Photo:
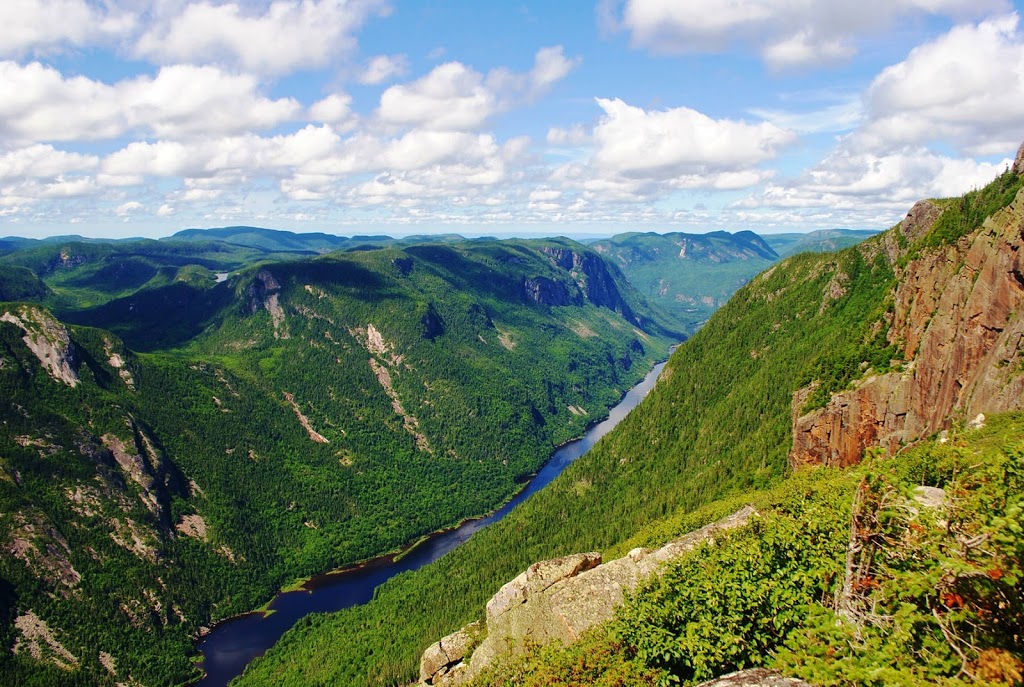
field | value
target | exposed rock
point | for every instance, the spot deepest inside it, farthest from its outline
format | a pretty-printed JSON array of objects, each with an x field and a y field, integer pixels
[
  {"x": 192, "y": 526},
  {"x": 44, "y": 550},
  {"x": 1018, "y": 163},
  {"x": 757, "y": 677},
  {"x": 591, "y": 274},
  {"x": 48, "y": 339},
  {"x": 142, "y": 467},
  {"x": 558, "y": 600},
  {"x": 411, "y": 424},
  {"x": 959, "y": 318},
  {"x": 920, "y": 220},
  {"x": 545, "y": 291},
  {"x": 36, "y": 637},
  {"x": 264, "y": 292},
  {"x": 439, "y": 659},
  {"x": 304, "y": 421}
]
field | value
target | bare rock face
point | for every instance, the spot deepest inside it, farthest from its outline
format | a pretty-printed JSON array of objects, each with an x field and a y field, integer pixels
[
  {"x": 556, "y": 601},
  {"x": 440, "y": 659},
  {"x": 959, "y": 319},
  {"x": 48, "y": 339},
  {"x": 757, "y": 677}
]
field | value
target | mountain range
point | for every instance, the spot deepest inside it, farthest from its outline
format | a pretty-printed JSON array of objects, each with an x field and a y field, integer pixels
[{"x": 873, "y": 575}]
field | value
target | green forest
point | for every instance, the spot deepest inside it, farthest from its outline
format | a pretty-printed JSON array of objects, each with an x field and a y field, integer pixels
[
  {"x": 222, "y": 439},
  {"x": 716, "y": 427}
]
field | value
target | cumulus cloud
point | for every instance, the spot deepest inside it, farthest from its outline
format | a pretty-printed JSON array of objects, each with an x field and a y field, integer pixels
[
  {"x": 868, "y": 190},
  {"x": 381, "y": 68},
  {"x": 40, "y": 161},
  {"x": 787, "y": 34},
  {"x": 965, "y": 87},
  {"x": 680, "y": 143},
  {"x": 38, "y": 103},
  {"x": 451, "y": 96},
  {"x": 456, "y": 97},
  {"x": 334, "y": 109},
  {"x": 277, "y": 38},
  {"x": 41, "y": 25}
]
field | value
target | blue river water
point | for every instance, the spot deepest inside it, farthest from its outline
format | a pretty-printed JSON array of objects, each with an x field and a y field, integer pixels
[{"x": 233, "y": 643}]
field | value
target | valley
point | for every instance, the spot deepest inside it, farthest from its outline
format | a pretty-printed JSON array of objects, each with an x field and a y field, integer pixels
[{"x": 214, "y": 441}]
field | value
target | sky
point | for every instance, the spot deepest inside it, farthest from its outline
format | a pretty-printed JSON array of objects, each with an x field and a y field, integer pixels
[{"x": 142, "y": 117}]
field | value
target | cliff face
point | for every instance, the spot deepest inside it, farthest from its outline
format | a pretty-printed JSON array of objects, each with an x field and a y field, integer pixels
[
  {"x": 958, "y": 319},
  {"x": 591, "y": 274}
]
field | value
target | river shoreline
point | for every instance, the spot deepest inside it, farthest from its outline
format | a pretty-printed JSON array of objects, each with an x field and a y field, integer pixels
[{"x": 375, "y": 570}]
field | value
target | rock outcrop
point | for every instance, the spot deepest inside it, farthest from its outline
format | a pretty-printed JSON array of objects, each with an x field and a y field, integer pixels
[
  {"x": 757, "y": 677},
  {"x": 48, "y": 339},
  {"x": 545, "y": 291},
  {"x": 591, "y": 274},
  {"x": 556, "y": 601},
  {"x": 959, "y": 320}
]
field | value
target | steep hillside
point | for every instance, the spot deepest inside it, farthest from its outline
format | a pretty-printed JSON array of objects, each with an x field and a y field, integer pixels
[
  {"x": 324, "y": 411},
  {"x": 689, "y": 275},
  {"x": 720, "y": 421}
]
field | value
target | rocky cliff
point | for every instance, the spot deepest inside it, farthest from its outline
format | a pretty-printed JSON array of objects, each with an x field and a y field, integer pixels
[
  {"x": 555, "y": 601},
  {"x": 957, "y": 318}
]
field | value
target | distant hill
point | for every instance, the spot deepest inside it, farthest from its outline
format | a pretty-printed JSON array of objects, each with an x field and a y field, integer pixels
[
  {"x": 692, "y": 275},
  {"x": 688, "y": 275},
  {"x": 280, "y": 241},
  {"x": 822, "y": 241}
]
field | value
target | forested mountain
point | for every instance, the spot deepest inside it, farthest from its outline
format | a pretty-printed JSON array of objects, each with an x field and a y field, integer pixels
[
  {"x": 275, "y": 240},
  {"x": 178, "y": 444},
  {"x": 692, "y": 275},
  {"x": 820, "y": 241},
  {"x": 932, "y": 307}
]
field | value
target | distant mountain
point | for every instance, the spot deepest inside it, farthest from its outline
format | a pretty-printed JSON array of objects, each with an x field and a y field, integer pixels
[
  {"x": 692, "y": 275},
  {"x": 688, "y": 275},
  {"x": 276, "y": 240},
  {"x": 821, "y": 241},
  {"x": 279, "y": 241}
]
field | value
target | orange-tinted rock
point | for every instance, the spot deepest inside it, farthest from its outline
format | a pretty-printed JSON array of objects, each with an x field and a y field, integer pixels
[{"x": 959, "y": 319}]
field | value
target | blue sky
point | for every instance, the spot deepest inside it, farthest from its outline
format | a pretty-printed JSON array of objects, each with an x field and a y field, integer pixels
[{"x": 141, "y": 117}]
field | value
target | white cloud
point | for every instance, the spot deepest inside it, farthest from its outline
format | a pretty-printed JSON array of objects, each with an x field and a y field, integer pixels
[
  {"x": 787, "y": 34},
  {"x": 381, "y": 68},
  {"x": 451, "y": 96},
  {"x": 456, "y": 97},
  {"x": 275, "y": 39},
  {"x": 965, "y": 87},
  {"x": 550, "y": 65},
  {"x": 126, "y": 209},
  {"x": 43, "y": 161},
  {"x": 41, "y": 25},
  {"x": 334, "y": 109},
  {"x": 38, "y": 103},
  {"x": 868, "y": 190},
  {"x": 840, "y": 116},
  {"x": 661, "y": 145}
]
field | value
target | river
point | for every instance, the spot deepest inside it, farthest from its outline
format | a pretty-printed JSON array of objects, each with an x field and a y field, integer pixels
[{"x": 232, "y": 644}]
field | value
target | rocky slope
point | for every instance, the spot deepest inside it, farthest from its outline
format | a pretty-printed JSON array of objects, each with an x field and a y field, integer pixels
[
  {"x": 555, "y": 601},
  {"x": 957, "y": 322}
]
